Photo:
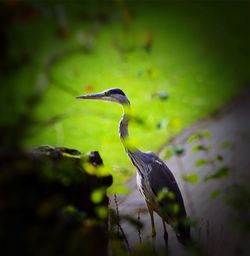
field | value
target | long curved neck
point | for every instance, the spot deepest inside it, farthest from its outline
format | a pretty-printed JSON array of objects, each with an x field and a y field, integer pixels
[
  {"x": 123, "y": 127},
  {"x": 131, "y": 150}
]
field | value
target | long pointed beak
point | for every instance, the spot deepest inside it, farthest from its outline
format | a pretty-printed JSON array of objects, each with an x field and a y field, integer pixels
[{"x": 96, "y": 96}]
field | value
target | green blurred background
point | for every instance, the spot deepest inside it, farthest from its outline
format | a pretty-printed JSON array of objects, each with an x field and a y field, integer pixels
[{"x": 176, "y": 61}]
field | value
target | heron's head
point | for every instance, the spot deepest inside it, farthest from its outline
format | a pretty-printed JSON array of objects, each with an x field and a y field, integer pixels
[{"x": 114, "y": 94}]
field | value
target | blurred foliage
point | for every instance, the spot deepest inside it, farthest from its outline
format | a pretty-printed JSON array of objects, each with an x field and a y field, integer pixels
[
  {"x": 176, "y": 150},
  {"x": 201, "y": 139},
  {"x": 176, "y": 61},
  {"x": 200, "y": 147},
  {"x": 227, "y": 145},
  {"x": 198, "y": 136},
  {"x": 192, "y": 178},
  {"x": 221, "y": 173},
  {"x": 215, "y": 194},
  {"x": 200, "y": 162},
  {"x": 165, "y": 193},
  {"x": 47, "y": 207}
]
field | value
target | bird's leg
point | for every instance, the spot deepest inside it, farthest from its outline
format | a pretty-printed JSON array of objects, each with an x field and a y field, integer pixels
[
  {"x": 165, "y": 233},
  {"x": 153, "y": 234}
]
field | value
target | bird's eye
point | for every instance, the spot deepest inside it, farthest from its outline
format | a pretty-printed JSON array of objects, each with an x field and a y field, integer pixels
[{"x": 107, "y": 93}]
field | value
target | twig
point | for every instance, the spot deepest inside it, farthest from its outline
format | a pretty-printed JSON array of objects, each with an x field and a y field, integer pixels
[
  {"x": 207, "y": 230},
  {"x": 139, "y": 229},
  {"x": 117, "y": 212},
  {"x": 119, "y": 227}
]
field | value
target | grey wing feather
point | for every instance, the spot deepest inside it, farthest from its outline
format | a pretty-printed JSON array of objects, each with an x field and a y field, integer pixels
[{"x": 161, "y": 177}]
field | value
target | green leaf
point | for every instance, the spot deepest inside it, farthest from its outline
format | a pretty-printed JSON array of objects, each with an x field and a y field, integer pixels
[
  {"x": 219, "y": 174},
  {"x": 163, "y": 95},
  {"x": 214, "y": 194},
  {"x": 168, "y": 153},
  {"x": 175, "y": 208},
  {"x": 226, "y": 145},
  {"x": 219, "y": 158},
  {"x": 192, "y": 178},
  {"x": 69, "y": 209},
  {"x": 162, "y": 124},
  {"x": 206, "y": 135},
  {"x": 171, "y": 208},
  {"x": 192, "y": 138},
  {"x": 199, "y": 147},
  {"x": 200, "y": 162},
  {"x": 73, "y": 212},
  {"x": 165, "y": 193},
  {"x": 97, "y": 195},
  {"x": 178, "y": 150},
  {"x": 199, "y": 135},
  {"x": 102, "y": 212}
]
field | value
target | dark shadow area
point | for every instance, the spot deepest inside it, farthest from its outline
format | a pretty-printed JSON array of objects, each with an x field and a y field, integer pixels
[{"x": 46, "y": 206}]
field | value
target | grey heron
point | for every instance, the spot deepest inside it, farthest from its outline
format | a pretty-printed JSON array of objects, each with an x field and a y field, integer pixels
[{"x": 154, "y": 179}]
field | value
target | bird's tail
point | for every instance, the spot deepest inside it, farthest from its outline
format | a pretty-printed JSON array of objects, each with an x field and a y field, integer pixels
[{"x": 183, "y": 234}]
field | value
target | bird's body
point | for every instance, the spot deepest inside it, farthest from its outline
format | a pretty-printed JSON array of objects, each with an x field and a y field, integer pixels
[
  {"x": 158, "y": 173},
  {"x": 154, "y": 179}
]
